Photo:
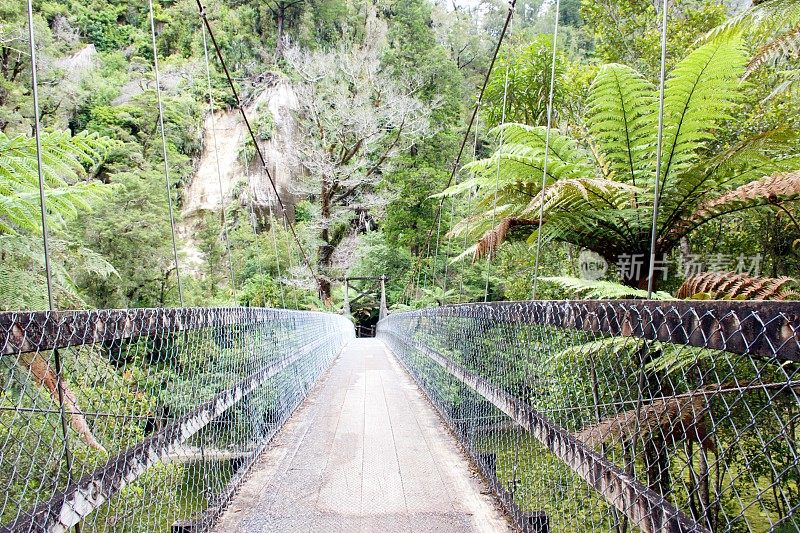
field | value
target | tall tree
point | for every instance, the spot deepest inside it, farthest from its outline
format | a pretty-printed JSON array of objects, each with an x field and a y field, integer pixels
[
  {"x": 355, "y": 117},
  {"x": 628, "y": 31},
  {"x": 283, "y": 11}
]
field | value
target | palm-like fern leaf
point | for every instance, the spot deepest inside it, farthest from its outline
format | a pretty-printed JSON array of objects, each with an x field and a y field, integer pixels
[
  {"x": 784, "y": 47},
  {"x": 732, "y": 285},
  {"x": 677, "y": 418},
  {"x": 772, "y": 189},
  {"x": 601, "y": 289},
  {"x": 766, "y": 17},
  {"x": 495, "y": 236},
  {"x": 64, "y": 159},
  {"x": 699, "y": 94},
  {"x": 621, "y": 121}
]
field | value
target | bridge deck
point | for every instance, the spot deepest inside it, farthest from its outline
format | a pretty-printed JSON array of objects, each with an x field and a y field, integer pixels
[{"x": 365, "y": 452}]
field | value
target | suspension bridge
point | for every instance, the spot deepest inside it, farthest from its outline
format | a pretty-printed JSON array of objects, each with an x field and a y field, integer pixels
[{"x": 539, "y": 416}]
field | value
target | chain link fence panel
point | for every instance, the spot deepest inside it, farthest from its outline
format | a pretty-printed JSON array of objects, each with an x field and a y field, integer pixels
[
  {"x": 620, "y": 415},
  {"x": 146, "y": 420}
]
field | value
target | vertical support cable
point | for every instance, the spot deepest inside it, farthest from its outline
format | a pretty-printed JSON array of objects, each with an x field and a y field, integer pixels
[
  {"x": 216, "y": 157},
  {"x": 490, "y": 256},
  {"x": 272, "y": 221},
  {"x": 469, "y": 209},
  {"x": 46, "y": 246},
  {"x": 456, "y": 163},
  {"x": 164, "y": 150},
  {"x": 546, "y": 150},
  {"x": 37, "y": 134},
  {"x": 659, "y": 142},
  {"x": 346, "y": 305},
  {"x": 383, "y": 311},
  {"x": 447, "y": 247},
  {"x": 291, "y": 262}
]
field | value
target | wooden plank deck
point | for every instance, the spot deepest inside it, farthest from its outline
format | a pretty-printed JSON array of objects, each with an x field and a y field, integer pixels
[{"x": 365, "y": 452}]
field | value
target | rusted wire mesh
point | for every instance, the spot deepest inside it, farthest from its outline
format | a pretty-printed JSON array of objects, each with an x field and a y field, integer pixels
[
  {"x": 146, "y": 420},
  {"x": 620, "y": 416}
]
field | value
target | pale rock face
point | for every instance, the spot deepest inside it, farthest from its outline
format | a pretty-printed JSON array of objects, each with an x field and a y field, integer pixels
[
  {"x": 226, "y": 129},
  {"x": 219, "y": 172}
]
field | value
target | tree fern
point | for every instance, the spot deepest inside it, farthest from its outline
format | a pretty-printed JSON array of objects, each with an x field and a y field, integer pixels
[{"x": 599, "y": 189}]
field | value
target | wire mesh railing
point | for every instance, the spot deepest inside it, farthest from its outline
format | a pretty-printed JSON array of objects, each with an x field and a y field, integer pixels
[
  {"x": 620, "y": 415},
  {"x": 146, "y": 420}
]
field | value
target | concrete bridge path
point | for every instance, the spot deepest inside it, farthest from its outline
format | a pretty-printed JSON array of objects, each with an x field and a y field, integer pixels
[{"x": 364, "y": 452}]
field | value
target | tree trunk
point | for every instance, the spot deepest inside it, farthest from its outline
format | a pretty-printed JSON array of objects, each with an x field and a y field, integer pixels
[
  {"x": 281, "y": 21},
  {"x": 634, "y": 270},
  {"x": 325, "y": 251}
]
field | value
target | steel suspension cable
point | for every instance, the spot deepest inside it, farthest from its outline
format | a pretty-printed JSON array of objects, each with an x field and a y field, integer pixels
[
  {"x": 274, "y": 220},
  {"x": 164, "y": 151},
  {"x": 447, "y": 249},
  {"x": 469, "y": 209},
  {"x": 659, "y": 142},
  {"x": 457, "y": 161},
  {"x": 546, "y": 150},
  {"x": 491, "y": 255},
  {"x": 68, "y": 459},
  {"x": 216, "y": 157},
  {"x": 255, "y": 142}
]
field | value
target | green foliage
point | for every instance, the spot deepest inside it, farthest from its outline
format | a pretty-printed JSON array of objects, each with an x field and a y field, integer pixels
[
  {"x": 529, "y": 74},
  {"x": 629, "y": 31},
  {"x": 264, "y": 123},
  {"x": 64, "y": 162},
  {"x": 601, "y": 289},
  {"x": 261, "y": 290},
  {"x": 599, "y": 189}
]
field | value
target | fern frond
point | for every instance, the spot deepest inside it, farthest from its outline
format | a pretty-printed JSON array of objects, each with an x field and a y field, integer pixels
[
  {"x": 582, "y": 194},
  {"x": 677, "y": 419},
  {"x": 766, "y": 17},
  {"x": 773, "y": 189},
  {"x": 621, "y": 120},
  {"x": 782, "y": 48},
  {"x": 601, "y": 289},
  {"x": 700, "y": 92},
  {"x": 64, "y": 158},
  {"x": 493, "y": 238},
  {"x": 732, "y": 285}
]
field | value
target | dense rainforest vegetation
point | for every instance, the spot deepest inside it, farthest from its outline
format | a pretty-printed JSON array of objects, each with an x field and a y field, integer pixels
[{"x": 360, "y": 109}]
